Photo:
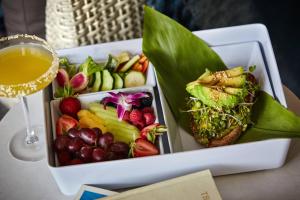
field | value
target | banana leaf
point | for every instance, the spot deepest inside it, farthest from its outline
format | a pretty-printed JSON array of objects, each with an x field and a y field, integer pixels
[{"x": 179, "y": 57}]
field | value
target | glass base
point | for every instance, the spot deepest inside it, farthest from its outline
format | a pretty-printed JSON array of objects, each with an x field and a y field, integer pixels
[{"x": 28, "y": 152}]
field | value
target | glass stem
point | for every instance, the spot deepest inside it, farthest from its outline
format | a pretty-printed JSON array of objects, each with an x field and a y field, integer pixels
[{"x": 30, "y": 135}]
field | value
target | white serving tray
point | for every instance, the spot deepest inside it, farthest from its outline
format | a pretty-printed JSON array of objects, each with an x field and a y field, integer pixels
[
  {"x": 100, "y": 52},
  {"x": 187, "y": 156}
]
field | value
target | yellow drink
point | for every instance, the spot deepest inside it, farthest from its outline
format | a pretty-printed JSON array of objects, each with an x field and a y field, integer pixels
[{"x": 25, "y": 69}]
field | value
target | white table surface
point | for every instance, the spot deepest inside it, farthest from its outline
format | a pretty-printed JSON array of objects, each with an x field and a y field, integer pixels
[{"x": 33, "y": 180}]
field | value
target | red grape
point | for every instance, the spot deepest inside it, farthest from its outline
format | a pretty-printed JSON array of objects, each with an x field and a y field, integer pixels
[
  {"x": 73, "y": 133},
  {"x": 111, "y": 156},
  {"x": 88, "y": 136},
  {"x": 61, "y": 143},
  {"x": 97, "y": 131},
  {"x": 105, "y": 140},
  {"x": 120, "y": 148},
  {"x": 75, "y": 161},
  {"x": 75, "y": 144},
  {"x": 86, "y": 153},
  {"x": 64, "y": 157},
  {"x": 98, "y": 154}
]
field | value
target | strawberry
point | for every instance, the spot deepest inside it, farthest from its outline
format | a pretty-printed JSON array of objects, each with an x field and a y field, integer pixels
[
  {"x": 70, "y": 106},
  {"x": 150, "y": 132},
  {"x": 147, "y": 110},
  {"x": 149, "y": 118},
  {"x": 64, "y": 123},
  {"x": 139, "y": 124},
  {"x": 126, "y": 116},
  {"x": 141, "y": 148},
  {"x": 135, "y": 116}
]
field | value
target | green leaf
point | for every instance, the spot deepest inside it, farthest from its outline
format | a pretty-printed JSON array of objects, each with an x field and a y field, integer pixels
[
  {"x": 178, "y": 56},
  {"x": 65, "y": 91},
  {"x": 271, "y": 120},
  {"x": 89, "y": 66}
]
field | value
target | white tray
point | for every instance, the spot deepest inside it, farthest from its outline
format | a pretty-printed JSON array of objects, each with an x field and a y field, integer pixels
[{"x": 188, "y": 158}]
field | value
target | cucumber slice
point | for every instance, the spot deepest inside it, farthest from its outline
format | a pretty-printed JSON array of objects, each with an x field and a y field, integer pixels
[
  {"x": 91, "y": 80},
  {"x": 134, "y": 79},
  {"x": 107, "y": 81},
  {"x": 97, "y": 82},
  {"x": 130, "y": 63},
  {"x": 118, "y": 81},
  {"x": 123, "y": 57}
]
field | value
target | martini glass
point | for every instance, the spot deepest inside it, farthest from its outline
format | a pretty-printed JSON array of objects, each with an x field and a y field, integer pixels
[{"x": 27, "y": 65}]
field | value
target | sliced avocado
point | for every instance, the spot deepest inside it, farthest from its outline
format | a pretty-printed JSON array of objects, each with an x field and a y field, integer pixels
[
  {"x": 212, "y": 97},
  {"x": 236, "y": 71},
  {"x": 236, "y": 82},
  {"x": 208, "y": 78},
  {"x": 234, "y": 91}
]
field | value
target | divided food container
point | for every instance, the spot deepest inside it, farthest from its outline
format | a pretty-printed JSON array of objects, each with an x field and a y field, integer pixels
[{"x": 180, "y": 154}]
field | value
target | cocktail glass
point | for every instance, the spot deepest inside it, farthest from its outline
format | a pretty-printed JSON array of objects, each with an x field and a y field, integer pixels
[{"x": 27, "y": 65}]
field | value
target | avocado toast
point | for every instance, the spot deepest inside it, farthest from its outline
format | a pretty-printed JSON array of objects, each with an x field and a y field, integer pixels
[{"x": 220, "y": 105}]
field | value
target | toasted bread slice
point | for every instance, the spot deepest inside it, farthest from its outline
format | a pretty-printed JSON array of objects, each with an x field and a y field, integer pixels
[{"x": 227, "y": 139}]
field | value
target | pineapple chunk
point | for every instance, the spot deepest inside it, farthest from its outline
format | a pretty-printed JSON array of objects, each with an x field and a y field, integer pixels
[{"x": 89, "y": 120}]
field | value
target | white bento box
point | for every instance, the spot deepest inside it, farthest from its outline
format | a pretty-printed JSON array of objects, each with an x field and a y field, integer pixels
[{"x": 241, "y": 45}]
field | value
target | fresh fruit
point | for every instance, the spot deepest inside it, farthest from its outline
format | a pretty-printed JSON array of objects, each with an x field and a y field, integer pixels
[
  {"x": 119, "y": 148},
  {"x": 88, "y": 136},
  {"x": 86, "y": 153},
  {"x": 105, "y": 140},
  {"x": 126, "y": 116},
  {"x": 73, "y": 133},
  {"x": 61, "y": 143},
  {"x": 150, "y": 132},
  {"x": 139, "y": 124},
  {"x": 98, "y": 154},
  {"x": 64, "y": 123},
  {"x": 63, "y": 157},
  {"x": 79, "y": 81},
  {"x": 75, "y": 144},
  {"x": 70, "y": 106},
  {"x": 62, "y": 77},
  {"x": 134, "y": 79},
  {"x": 97, "y": 131},
  {"x": 135, "y": 116},
  {"x": 141, "y": 148},
  {"x": 75, "y": 161},
  {"x": 149, "y": 118},
  {"x": 88, "y": 119},
  {"x": 121, "y": 130},
  {"x": 147, "y": 110}
]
